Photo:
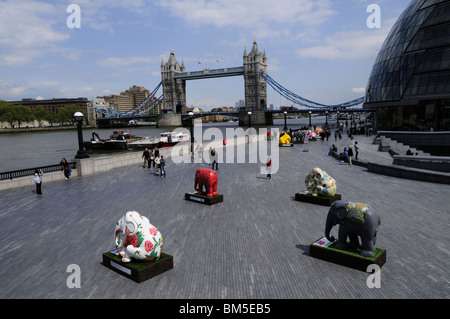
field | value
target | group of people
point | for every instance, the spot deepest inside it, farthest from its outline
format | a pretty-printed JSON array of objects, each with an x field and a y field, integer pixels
[
  {"x": 347, "y": 154},
  {"x": 38, "y": 175},
  {"x": 156, "y": 160}
]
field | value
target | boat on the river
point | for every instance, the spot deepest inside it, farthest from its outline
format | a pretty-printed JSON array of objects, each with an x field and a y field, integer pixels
[
  {"x": 171, "y": 138},
  {"x": 123, "y": 139},
  {"x": 142, "y": 143},
  {"x": 118, "y": 140}
]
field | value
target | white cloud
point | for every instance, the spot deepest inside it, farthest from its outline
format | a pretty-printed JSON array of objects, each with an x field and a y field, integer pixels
[
  {"x": 359, "y": 90},
  {"x": 260, "y": 16},
  {"x": 28, "y": 24},
  {"x": 348, "y": 44}
]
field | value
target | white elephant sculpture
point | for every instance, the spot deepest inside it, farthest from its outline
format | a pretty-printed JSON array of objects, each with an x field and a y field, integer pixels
[
  {"x": 318, "y": 182},
  {"x": 136, "y": 238}
]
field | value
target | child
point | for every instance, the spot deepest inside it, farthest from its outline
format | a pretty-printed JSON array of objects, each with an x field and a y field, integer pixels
[
  {"x": 269, "y": 168},
  {"x": 38, "y": 180}
]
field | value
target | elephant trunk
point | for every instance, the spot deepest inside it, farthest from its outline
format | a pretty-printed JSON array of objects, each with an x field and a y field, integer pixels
[{"x": 328, "y": 226}]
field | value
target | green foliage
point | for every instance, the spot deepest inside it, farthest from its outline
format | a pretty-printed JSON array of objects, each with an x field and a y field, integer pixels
[
  {"x": 15, "y": 113},
  {"x": 65, "y": 113}
]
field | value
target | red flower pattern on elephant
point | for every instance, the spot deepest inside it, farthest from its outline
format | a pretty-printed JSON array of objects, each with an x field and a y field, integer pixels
[{"x": 131, "y": 240}]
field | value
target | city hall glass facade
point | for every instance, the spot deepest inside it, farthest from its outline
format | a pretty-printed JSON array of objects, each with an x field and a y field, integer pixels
[{"x": 409, "y": 86}]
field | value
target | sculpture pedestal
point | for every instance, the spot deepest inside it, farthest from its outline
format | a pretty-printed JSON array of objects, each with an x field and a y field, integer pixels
[
  {"x": 203, "y": 199},
  {"x": 318, "y": 200},
  {"x": 323, "y": 249},
  {"x": 286, "y": 145},
  {"x": 138, "y": 271}
]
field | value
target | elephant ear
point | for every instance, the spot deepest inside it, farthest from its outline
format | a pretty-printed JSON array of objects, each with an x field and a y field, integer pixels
[{"x": 341, "y": 209}]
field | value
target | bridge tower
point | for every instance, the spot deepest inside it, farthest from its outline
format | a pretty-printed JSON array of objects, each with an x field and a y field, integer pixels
[
  {"x": 174, "y": 93},
  {"x": 255, "y": 63},
  {"x": 255, "y": 86}
]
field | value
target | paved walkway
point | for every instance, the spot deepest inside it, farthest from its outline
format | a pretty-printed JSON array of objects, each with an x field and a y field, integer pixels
[{"x": 253, "y": 245}]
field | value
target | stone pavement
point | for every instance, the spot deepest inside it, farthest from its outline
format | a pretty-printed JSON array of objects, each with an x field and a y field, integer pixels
[{"x": 253, "y": 245}]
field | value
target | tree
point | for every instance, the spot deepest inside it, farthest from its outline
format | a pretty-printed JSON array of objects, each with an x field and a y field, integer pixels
[
  {"x": 40, "y": 114},
  {"x": 65, "y": 113},
  {"x": 15, "y": 113}
]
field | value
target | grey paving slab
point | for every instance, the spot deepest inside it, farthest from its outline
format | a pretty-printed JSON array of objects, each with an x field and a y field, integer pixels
[{"x": 253, "y": 245}]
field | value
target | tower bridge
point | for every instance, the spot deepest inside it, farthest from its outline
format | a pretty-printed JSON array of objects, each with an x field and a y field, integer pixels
[{"x": 256, "y": 79}]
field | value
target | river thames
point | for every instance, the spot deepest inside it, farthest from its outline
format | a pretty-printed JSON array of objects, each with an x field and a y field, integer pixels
[{"x": 29, "y": 150}]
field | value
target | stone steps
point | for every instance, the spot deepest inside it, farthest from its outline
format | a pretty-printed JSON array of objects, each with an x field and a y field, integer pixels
[{"x": 397, "y": 148}]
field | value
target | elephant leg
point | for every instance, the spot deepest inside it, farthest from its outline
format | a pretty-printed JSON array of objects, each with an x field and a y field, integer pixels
[
  {"x": 354, "y": 241},
  {"x": 368, "y": 246},
  {"x": 342, "y": 236},
  {"x": 215, "y": 188},
  {"x": 209, "y": 191}
]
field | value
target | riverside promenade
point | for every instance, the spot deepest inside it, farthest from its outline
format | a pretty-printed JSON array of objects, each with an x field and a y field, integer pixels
[{"x": 254, "y": 245}]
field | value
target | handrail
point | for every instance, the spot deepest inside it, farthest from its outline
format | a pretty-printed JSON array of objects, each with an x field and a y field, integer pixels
[{"x": 30, "y": 171}]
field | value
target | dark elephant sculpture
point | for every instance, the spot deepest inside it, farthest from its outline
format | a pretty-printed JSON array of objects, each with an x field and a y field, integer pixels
[
  {"x": 356, "y": 220},
  {"x": 207, "y": 178}
]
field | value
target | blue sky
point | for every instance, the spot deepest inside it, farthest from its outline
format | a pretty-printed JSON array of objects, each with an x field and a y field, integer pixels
[{"x": 322, "y": 50}]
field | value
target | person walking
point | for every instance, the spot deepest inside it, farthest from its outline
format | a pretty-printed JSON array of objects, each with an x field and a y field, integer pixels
[
  {"x": 146, "y": 157},
  {"x": 356, "y": 150},
  {"x": 269, "y": 168},
  {"x": 66, "y": 168},
  {"x": 350, "y": 154},
  {"x": 158, "y": 164},
  {"x": 214, "y": 159},
  {"x": 38, "y": 180},
  {"x": 163, "y": 166},
  {"x": 152, "y": 159}
]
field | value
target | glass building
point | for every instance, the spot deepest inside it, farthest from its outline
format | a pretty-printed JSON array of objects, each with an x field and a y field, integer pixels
[{"x": 409, "y": 87}]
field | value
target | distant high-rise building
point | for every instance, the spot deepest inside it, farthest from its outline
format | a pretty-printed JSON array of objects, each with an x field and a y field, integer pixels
[{"x": 129, "y": 99}]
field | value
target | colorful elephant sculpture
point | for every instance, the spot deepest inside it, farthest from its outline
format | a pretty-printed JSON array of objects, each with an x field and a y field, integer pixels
[
  {"x": 136, "y": 238},
  {"x": 310, "y": 134},
  {"x": 355, "y": 220},
  {"x": 285, "y": 139},
  {"x": 207, "y": 178},
  {"x": 318, "y": 182}
]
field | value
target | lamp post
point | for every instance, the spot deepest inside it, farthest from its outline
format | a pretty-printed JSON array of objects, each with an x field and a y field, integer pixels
[
  {"x": 326, "y": 117},
  {"x": 285, "y": 121},
  {"x": 310, "y": 118},
  {"x": 249, "y": 119},
  {"x": 191, "y": 117},
  {"x": 78, "y": 117}
]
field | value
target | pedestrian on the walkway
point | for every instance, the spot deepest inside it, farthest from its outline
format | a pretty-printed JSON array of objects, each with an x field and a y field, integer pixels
[
  {"x": 335, "y": 135},
  {"x": 356, "y": 150},
  {"x": 214, "y": 158},
  {"x": 66, "y": 168},
  {"x": 158, "y": 164},
  {"x": 38, "y": 180},
  {"x": 269, "y": 168},
  {"x": 350, "y": 154},
  {"x": 146, "y": 157},
  {"x": 163, "y": 166},
  {"x": 152, "y": 159}
]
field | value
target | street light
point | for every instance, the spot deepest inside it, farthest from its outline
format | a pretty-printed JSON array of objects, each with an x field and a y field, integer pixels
[
  {"x": 191, "y": 117},
  {"x": 310, "y": 118},
  {"x": 78, "y": 117},
  {"x": 326, "y": 117},
  {"x": 285, "y": 121},
  {"x": 249, "y": 119}
]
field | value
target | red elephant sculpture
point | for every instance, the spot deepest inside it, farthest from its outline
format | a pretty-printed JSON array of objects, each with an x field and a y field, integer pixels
[{"x": 208, "y": 178}]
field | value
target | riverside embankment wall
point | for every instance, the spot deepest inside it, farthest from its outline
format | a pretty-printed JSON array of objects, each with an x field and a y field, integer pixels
[{"x": 94, "y": 165}]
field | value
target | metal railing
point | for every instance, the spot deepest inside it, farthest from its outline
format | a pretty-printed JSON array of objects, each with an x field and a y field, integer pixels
[{"x": 30, "y": 171}]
